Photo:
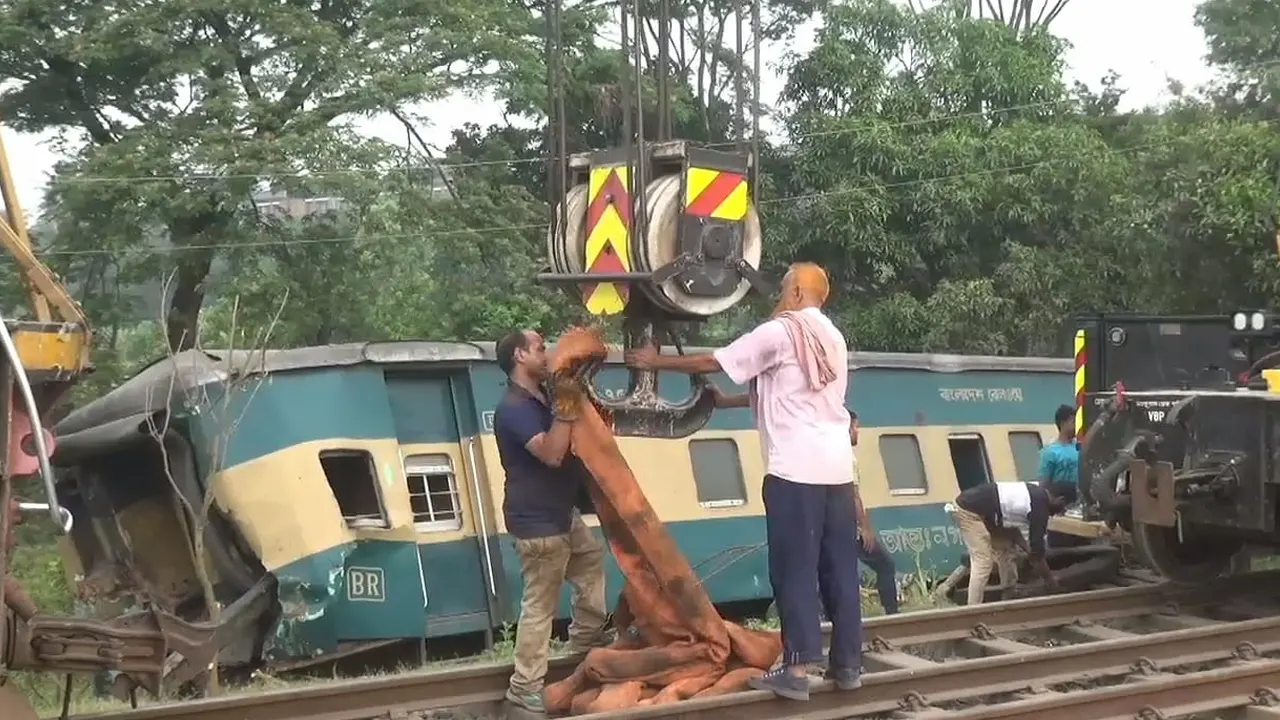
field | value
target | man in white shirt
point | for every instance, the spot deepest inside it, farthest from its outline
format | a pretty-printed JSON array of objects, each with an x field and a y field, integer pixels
[
  {"x": 797, "y": 366},
  {"x": 987, "y": 516}
]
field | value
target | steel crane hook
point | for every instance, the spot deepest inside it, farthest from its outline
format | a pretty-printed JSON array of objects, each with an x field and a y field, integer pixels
[{"x": 641, "y": 411}]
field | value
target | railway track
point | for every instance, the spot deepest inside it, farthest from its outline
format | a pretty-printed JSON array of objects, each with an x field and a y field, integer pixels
[{"x": 1148, "y": 651}]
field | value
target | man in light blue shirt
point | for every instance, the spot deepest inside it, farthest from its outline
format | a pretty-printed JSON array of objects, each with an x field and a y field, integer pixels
[{"x": 1060, "y": 459}]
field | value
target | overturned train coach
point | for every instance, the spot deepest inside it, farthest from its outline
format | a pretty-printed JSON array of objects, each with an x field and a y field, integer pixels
[
  {"x": 357, "y": 490},
  {"x": 1186, "y": 457}
]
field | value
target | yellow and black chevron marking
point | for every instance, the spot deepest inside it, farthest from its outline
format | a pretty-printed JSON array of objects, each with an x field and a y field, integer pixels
[
  {"x": 716, "y": 194},
  {"x": 1080, "y": 395},
  {"x": 608, "y": 233}
]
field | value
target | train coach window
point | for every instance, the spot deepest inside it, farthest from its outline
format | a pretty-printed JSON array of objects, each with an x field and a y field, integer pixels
[
  {"x": 1026, "y": 446},
  {"x": 903, "y": 465},
  {"x": 717, "y": 473},
  {"x": 353, "y": 478},
  {"x": 969, "y": 458},
  {"x": 433, "y": 493}
]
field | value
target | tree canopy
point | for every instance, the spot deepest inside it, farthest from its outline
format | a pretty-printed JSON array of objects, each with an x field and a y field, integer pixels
[{"x": 963, "y": 193}]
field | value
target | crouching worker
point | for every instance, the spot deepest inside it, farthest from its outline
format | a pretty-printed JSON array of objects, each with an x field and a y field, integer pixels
[
  {"x": 987, "y": 516},
  {"x": 797, "y": 366},
  {"x": 543, "y": 487}
]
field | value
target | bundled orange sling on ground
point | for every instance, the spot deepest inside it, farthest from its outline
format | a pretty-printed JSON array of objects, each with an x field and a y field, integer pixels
[{"x": 672, "y": 643}]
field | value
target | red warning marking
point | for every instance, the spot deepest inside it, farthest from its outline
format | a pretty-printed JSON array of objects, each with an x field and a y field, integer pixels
[
  {"x": 717, "y": 192},
  {"x": 612, "y": 192},
  {"x": 607, "y": 262}
]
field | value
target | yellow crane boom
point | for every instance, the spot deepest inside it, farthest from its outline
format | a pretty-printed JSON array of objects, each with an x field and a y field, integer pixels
[
  {"x": 42, "y": 357},
  {"x": 54, "y": 345}
]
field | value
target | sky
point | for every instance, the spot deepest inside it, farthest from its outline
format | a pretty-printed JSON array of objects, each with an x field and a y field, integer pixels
[{"x": 1145, "y": 41}]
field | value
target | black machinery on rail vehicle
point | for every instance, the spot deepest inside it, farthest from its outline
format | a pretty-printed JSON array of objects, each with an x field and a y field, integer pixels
[
  {"x": 1190, "y": 465},
  {"x": 657, "y": 230}
]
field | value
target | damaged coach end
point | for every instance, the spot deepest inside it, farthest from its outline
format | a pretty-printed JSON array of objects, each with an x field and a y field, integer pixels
[
  {"x": 321, "y": 476},
  {"x": 134, "y": 467}
]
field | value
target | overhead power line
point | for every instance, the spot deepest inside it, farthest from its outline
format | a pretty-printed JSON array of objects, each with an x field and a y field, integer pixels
[{"x": 492, "y": 230}]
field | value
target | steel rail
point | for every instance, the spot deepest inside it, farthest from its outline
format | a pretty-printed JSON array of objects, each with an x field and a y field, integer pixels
[
  {"x": 883, "y": 692},
  {"x": 485, "y": 684},
  {"x": 1245, "y": 684},
  {"x": 1092, "y": 605}
]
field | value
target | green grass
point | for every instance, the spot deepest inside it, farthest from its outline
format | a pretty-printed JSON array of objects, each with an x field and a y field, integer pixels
[{"x": 1265, "y": 562}]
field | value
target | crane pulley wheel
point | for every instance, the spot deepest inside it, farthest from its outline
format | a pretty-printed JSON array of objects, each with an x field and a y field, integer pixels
[
  {"x": 566, "y": 247},
  {"x": 567, "y": 239}
]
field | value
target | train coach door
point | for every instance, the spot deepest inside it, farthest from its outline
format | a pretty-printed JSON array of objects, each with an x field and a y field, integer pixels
[
  {"x": 477, "y": 490},
  {"x": 452, "y": 518}
]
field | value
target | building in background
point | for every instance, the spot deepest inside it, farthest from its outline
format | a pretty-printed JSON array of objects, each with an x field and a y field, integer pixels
[{"x": 278, "y": 203}]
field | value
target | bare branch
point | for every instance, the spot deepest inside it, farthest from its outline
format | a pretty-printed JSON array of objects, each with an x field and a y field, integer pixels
[
  {"x": 426, "y": 152},
  {"x": 1021, "y": 16},
  {"x": 238, "y": 384}
]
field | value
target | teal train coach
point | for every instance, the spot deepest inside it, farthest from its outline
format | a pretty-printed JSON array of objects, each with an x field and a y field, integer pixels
[{"x": 358, "y": 491}]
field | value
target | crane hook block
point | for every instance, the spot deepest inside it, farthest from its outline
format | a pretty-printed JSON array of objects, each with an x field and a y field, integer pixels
[{"x": 688, "y": 239}]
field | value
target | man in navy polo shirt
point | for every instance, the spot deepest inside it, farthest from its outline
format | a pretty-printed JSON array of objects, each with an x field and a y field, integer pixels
[{"x": 543, "y": 492}]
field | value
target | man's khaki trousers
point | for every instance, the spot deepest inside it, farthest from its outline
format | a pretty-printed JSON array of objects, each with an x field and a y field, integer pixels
[{"x": 985, "y": 551}]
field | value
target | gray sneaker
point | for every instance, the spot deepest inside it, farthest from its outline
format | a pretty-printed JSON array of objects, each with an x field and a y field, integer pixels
[
  {"x": 531, "y": 701},
  {"x": 782, "y": 682}
]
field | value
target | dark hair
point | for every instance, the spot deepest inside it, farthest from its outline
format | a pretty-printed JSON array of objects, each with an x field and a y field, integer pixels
[
  {"x": 853, "y": 414},
  {"x": 507, "y": 348},
  {"x": 1064, "y": 489},
  {"x": 1063, "y": 414}
]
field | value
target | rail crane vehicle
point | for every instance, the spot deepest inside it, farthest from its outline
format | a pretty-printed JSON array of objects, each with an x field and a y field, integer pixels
[
  {"x": 1187, "y": 455},
  {"x": 657, "y": 230},
  {"x": 42, "y": 355}
]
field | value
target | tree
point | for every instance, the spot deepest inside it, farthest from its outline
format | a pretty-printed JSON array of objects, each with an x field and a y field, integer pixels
[
  {"x": 941, "y": 174},
  {"x": 1202, "y": 236},
  {"x": 1206, "y": 224},
  {"x": 1242, "y": 40},
  {"x": 181, "y": 108}
]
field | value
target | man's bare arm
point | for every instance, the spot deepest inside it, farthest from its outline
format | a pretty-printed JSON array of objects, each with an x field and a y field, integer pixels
[
  {"x": 864, "y": 520},
  {"x": 739, "y": 400},
  {"x": 1037, "y": 531},
  {"x": 704, "y": 364},
  {"x": 1041, "y": 566},
  {"x": 551, "y": 446},
  {"x": 1103, "y": 418},
  {"x": 1108, "y": 412},
  {"x": 867, "y": 532}
]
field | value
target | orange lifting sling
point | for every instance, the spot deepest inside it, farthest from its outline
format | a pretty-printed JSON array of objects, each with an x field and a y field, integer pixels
[{"x": 677, "y": 646}]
